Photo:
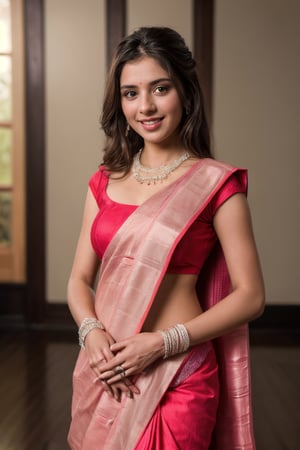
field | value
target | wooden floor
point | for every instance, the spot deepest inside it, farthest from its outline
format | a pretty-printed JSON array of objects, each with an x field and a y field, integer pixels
[{"x": 35, "y": 390}]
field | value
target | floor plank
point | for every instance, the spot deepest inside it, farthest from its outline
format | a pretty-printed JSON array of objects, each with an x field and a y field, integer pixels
[
  {"x": 276, "y": 397},
  {"x": 35, "y": 391}
]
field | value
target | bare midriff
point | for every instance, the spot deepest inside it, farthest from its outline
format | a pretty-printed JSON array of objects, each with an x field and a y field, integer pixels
[{"x": 176, "y": 302}]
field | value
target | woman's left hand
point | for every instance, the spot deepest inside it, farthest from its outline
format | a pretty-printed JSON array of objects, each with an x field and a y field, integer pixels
[{"x": 132, "y": 356}]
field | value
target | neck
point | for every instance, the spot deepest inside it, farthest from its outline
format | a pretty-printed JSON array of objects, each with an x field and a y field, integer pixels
[
  {"x": 153, "y": 174},
  {"x": 153, "y": 157}
]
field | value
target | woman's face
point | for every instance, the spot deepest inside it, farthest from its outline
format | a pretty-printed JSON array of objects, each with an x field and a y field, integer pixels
[{"x": 150, "y": 102}]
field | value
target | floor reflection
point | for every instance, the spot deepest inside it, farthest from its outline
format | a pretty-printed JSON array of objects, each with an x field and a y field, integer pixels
[{"x": 35, "y": 390}]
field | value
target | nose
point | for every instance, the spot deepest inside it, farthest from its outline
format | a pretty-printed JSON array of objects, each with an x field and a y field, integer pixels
[{"x": 147, "y": 104}]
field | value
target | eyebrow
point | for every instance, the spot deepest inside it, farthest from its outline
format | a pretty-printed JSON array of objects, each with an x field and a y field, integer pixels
[{"x": 159, "y": 80}]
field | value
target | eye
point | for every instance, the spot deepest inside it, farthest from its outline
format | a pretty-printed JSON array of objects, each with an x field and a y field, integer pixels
[
  {"x": 161, "y": 90},
  {"x": 129, "y": 94}
]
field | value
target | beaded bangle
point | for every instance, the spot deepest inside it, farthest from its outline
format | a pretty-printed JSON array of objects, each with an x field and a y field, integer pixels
[
  {"x": 87, "y": 325},
  {"x": 176, "y": 340}
]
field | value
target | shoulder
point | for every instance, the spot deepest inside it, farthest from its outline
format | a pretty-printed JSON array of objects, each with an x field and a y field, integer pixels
[
  {"x": 232, "y": 180},
  {"x": 227, "y": 171},
  {"x": 221, "y": 166},
  {"x": 98, "y": 181}
]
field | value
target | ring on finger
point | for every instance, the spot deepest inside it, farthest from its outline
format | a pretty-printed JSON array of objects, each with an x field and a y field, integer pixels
[{"x": 119, "y": 370}]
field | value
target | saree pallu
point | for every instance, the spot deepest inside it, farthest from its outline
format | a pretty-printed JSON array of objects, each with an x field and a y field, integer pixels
[
  {"x": 131, "y": 272},
  {"x": 186, "y": 414}
]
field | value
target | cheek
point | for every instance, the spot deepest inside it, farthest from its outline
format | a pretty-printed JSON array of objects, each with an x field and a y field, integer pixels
[
  {"x": 176, "y": 111},
  {"x": 127, "y": 109},
  {"x": 175, "y": 106},
  {"x": 123, "y": 106}
]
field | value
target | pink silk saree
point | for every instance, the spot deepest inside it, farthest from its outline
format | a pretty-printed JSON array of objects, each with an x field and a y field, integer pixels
[{"x": 131, "y": 272}]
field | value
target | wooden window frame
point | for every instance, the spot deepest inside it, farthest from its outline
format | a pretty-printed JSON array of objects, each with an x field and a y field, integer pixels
[{"x": 12, "y": 256}]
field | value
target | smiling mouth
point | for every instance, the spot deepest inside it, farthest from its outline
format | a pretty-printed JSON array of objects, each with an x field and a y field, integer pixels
[{"x": 151, "y": 122}]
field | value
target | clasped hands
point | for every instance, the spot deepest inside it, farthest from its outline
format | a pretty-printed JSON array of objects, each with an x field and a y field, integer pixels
[{"x": 115, "y": 363}]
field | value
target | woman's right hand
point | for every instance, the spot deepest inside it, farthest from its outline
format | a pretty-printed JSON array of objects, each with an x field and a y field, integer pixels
[{"x": 97, "y": 347}]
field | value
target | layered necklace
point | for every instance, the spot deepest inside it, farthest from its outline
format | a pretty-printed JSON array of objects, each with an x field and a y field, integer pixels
[{"x": 151, "y": 175}]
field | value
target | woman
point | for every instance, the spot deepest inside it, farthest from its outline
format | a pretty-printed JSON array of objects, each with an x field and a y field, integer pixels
[{"x": 158, "y": 212}]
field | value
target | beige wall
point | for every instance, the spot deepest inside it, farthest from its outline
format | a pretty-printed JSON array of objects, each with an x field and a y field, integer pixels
[
  {"x": 175, "y": 14},
  {"x": 75, "y": 72},
  {"x": 256, "y": 125}
]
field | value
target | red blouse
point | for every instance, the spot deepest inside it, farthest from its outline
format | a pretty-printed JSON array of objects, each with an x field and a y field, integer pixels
[{"x": 190, "y": 252}]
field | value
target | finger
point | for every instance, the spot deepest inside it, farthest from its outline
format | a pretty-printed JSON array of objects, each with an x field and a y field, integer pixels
[
  {"x": 97, "y": 362},
  {"x": 131, "y": 386},
  {"x": 118, "y": 377},
  {"x": 111, "y": 365},
  {"x": 105, "y": 386},
  {"x": 114, "y": 373},
  {"x": 108, "y": 354},
  {"x": 118, "y": 346},
  {"x": 117, "y": 373},
  {"x": 117, "y": 392},
  {"x": 127, "y": 388}
]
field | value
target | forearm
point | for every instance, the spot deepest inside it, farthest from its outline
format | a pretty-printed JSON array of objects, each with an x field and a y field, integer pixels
[
  {"x": 236, "y": 309},
  {"x": 81, "y": 300}
]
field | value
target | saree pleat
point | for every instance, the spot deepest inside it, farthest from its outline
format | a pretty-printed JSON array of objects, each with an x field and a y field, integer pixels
[{"x": 186, "y": 415}]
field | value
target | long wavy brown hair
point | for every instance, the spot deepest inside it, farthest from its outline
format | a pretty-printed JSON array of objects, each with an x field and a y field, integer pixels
[{"x": 168, "y": 48}]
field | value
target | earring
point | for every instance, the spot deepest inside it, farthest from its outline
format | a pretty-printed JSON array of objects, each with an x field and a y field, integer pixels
[{"x": 127, "y": 130}]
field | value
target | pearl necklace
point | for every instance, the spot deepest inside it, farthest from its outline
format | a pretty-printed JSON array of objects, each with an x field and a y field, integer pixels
[{"x": 153, "y": 174}]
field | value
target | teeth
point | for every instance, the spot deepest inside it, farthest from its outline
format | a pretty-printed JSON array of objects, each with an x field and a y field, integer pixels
[{"x": 150, "y": 122}]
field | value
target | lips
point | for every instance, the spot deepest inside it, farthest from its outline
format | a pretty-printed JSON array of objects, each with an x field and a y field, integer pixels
[{"x": 151, "y": 124}]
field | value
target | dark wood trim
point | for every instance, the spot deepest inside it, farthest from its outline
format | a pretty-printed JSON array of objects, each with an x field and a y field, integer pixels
[
  {"x": 58, "y": 315},
  {"x": 115, "y": 26},
  {"x": 35, "y": 159},
  {"x": 279, "y": 325},
  {"x": 203, "y": 49},
  {"x": 13, "y": 299},
  {"x": 277, "y": 321},
  {"x": 278, "y": 317}
]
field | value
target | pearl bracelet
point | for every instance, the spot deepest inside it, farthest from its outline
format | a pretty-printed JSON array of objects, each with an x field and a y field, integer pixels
[
  {"x": 87, "y": 325},
  {"x": 176, "y": 340}
]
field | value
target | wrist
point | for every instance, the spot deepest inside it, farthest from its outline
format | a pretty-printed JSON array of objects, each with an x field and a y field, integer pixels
[
  {"x": 87, "y": 325},
  {"x": 160, "y": 344},
  {"x": 175, "y": 339}
]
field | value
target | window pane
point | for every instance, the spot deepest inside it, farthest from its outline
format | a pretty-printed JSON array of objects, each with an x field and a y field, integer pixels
[
  {"x": 5, "y": 88},
  {"x": 5, "y": 25},
  {"x": 5, "y": 218},
  {"x": 5, "y": 157}
]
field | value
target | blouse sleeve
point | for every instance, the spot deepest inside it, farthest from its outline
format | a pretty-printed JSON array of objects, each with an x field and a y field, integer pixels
[
  {"x": 96, "y": 183},
  {"x": 232, "y": 186}
]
